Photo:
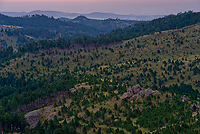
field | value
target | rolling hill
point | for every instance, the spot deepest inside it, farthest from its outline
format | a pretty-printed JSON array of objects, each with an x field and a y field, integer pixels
[
  {"x": 93, "y": 88},
  {"x": 22, "y": 29},
  {"x": 40, "y": 23},
  {"x": 168, "y": 62},
  {"x": 105, "y": 25}
]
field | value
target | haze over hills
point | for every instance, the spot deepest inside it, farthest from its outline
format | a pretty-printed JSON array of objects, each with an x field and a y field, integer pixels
[
  {"x": 105, "y": 25},
  {"x": 94, "y": 15}
]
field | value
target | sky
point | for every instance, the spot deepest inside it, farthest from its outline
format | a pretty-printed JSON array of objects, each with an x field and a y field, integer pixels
[{"x": 136, "y": 7}]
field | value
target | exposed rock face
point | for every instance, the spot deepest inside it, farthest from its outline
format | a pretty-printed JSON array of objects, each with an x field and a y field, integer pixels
[
  {"x": 136, "y": 88},
  {"x": 130, "y": 91},
  {"x": 148, "y": 92},
  {"x": 184, "y": 98},
  {"x": 137, "y": 91},
  {"x": 125, "y": 95},
  {"x": 47, "y": 100},
  {"x": 193, "y": 107},
  {"x": 32, "y": 118},
  {"x": 116, "y": 120},
  {"x": 42, "y": 101},
  {"x": 79, "y": 88}
]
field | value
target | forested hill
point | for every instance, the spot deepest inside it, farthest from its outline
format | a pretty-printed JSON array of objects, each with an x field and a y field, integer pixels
[
  {"x": 38, "y": 21},
  {"x": 157, "y": 25},
  {"x": 67, "y": 29},
  {"x": 168, "y": 62},
  {"x": 118, "y": 35},
  {"x": 105, "y": 25},
  {"x": 43, "y": 27},
  {"x": 49, "y": 23}
]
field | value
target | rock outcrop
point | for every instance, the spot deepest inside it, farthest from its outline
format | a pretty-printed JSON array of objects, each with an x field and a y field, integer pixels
[
  {"x": 193, "y": 107},
  {"x": 79, "y": 88},
  {"x": 42, "y": 101},
  {"x": 184, "y": 98},
  {"x": 137, "y": 91},
  {"x": 148, "y": 92},
  {"x": 125, "y": 95},
  {"x": 46, "y": 100},
  {"x": 32, "y": 118}
]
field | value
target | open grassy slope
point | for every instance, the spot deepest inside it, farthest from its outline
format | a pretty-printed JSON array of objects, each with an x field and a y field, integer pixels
[
  {"x": 49, "y": 112},
  {"x": 156, "y": 60},
  {"x": 42, "y": 27},
  {"x": 7, "y": 38},
  {"x": 164, "y": 58},
  {"x": 97, "y": 109}
]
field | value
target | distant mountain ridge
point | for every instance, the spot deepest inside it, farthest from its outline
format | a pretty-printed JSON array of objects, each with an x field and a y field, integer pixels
[
  {"x": 102, "y": 25},
  {"x": 34, "y": 27},
  {"x": 94, "y": 15}
]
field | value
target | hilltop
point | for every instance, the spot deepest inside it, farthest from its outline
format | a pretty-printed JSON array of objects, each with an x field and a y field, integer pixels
[
  {"x": 105, "y": 25},
  {"x": 41, "y": 26},
  {"x": 25, "y": 29},
  {"x": 80, "y": 29}
]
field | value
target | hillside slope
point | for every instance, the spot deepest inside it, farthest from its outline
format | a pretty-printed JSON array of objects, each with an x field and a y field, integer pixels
[
  {"x": 157, "y": 60},
  {"x": 172, "y": 54},
  {"x": 166, "y": 61},
  {"x": 8, "y": 37},
  {"x": 43, "y": 27}
]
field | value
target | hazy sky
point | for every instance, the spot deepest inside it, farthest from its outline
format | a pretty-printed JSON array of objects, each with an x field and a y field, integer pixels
[{"x": 138, "y": 7}]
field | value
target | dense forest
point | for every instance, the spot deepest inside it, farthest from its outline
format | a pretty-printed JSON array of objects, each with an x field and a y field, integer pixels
[
  {"x": 105, "y": 25},
  {"x": 94, "y": 74},
  {"x": 44, "y": 27}
]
